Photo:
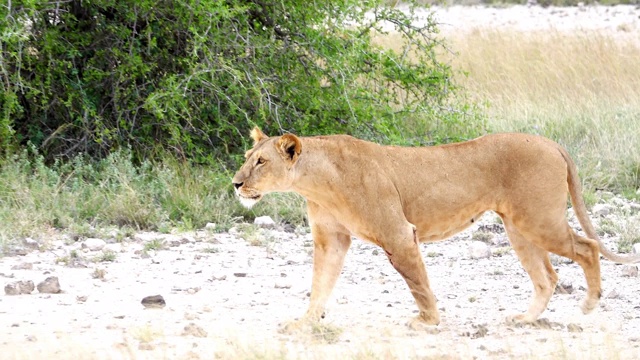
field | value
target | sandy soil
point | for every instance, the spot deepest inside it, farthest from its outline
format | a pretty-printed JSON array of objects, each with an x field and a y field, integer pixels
[
  {"x": 621, "y": 21},
  {"x": 225, "y": 298},
  {"x": 236, "y": 294}
]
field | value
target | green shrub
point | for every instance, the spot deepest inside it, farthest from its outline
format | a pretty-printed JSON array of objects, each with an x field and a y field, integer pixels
[{"x": 193, "y": 77}]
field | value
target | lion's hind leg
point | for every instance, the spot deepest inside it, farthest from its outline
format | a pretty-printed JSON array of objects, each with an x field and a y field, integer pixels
[
  {"x": 535, "y": 261},
  {"x": 562, "y": 240}
]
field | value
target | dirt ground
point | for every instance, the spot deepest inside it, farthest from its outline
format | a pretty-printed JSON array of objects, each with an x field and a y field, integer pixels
[{"x": 227, "y": 293}]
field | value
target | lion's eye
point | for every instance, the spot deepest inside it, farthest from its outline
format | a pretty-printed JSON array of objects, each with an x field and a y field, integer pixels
[{"x": 260, "y": 161}]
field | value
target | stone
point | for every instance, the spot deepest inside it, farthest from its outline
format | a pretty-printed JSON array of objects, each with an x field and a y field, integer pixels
[
  {"x": 23, "y": 266},
  {"x": 574, "y": 328},
  {"x": 601, "y": 210},
  {"x": 153, "y": 302},
  {"x": 564, "y": 287},
  {"x": 94, "y": 244},
  {"x": 264, "y": 222},
  {"x": 636, "y": 248},
  {"x": 194, "y": 330},
  {"x": 283, "y": 285},
  {"x": 479, "y": 250},
  {"x": 30, "y": 243},
  {"x": 613, "y": 294},
  {"x": 50, "y": 285},
  {"x": 630, "y": 271},
  {"x": 210, "y": 226},
  {"x": 19, "y": 287},
  {"x": 240, "y": 274},
  {"x": 145, "y": 346}
]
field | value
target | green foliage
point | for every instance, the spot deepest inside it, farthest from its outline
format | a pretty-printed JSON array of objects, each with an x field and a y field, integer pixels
[{"x": 192, "y": 77}]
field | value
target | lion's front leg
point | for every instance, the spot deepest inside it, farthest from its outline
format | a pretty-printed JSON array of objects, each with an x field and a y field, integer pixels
[
  {"x": 404, "y": 254},
  {"x": 331, "y": 243}
]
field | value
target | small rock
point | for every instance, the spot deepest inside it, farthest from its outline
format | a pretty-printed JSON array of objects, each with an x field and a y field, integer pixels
[
  {"x": 194, "y": 330},
  {"x": 218, "y": 277},
  {"x": 636, "y": 248},
  {"x": 574, "y": 328},
  {"x": 187, "y": 239},
  {"x": 613, "y": 295},
  {"x": 31, "y": 338},
  {"x": 283, "y": 285},
  {"x": 375, "y": 252},
  {"x": 81, "y": 298},
  {"x": 240, "y": 274},
  {"x": 264, "y": 222},
  {"x": 630, "y": 271},
  {"x": 145, "y": 346},
  {"x": 479, "y": 250},
  {"x": 601, "y": 210},
  {"x": 94, "y": 244},
  {"x": 50, "y": 285},
  {"x": 19, "y": 287},
  {"x": 190, "y": 316},
  {"x": 210, "y": 226},
  {"x": 23, "y": 266},
  {"x": 153, "y": 302},
  {"x": 564, "y": 287},
  {"x": 193, "y": 290},
  {"x": 30, "y": 243},
  {"x": 343, "y": 300},
  {"x": 174, "y": 243}
]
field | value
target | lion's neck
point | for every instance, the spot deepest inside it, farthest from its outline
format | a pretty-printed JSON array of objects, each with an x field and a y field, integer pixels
[{"x": 316, "y": 172}]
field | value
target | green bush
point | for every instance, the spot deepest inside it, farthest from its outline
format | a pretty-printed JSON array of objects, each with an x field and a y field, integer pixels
[{"x": 192, "y": 77}]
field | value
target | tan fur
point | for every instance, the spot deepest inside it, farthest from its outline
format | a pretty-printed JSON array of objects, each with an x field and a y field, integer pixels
[{"x": 396, "y": 197}]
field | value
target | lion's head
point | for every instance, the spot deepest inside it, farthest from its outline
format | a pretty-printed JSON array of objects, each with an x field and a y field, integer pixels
[{"x": 269, "y": 166}]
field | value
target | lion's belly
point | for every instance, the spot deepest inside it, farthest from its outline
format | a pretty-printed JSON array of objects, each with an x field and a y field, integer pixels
[{"x": 443, "y": 228}]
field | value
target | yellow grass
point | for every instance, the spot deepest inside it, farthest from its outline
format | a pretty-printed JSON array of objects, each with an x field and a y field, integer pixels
[{"x": 580, "y": 88}]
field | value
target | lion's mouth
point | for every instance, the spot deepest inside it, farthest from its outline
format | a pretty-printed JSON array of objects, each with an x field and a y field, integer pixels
[{"x": 249, "y": 200}]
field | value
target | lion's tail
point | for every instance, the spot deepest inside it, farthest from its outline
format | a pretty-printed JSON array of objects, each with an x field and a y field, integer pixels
[{"x": 581, "y": 212}]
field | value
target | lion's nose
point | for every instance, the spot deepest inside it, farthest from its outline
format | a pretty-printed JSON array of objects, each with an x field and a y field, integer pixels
[{"x": 237, "y": 185}]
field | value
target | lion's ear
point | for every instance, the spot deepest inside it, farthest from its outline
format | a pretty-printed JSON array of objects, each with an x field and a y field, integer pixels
[
  {"x": 257, "y": 135},
  {"x": 290, "y": 147}
]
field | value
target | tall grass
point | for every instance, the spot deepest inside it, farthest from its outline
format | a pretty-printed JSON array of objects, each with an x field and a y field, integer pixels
[
  {"x": 86, "y": 198},
  {"x": 580, "y": 88}
]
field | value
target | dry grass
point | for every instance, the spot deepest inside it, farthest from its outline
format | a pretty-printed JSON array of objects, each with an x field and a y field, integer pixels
[{"x": 580, "y": 88}]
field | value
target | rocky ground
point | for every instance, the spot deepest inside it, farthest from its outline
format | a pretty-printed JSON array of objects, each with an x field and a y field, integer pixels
[{"x": 223, "y": 295}]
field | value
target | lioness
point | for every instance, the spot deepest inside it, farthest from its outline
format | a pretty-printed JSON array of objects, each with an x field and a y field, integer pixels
[{"x": 397, "y": 197}]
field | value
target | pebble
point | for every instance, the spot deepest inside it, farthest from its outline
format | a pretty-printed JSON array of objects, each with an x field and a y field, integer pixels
[
  {"x": 210, "y": 226},
  {"x": 264, "y": 222},
  {"x": 283, "y": 285},
  {"x": 153, "y": 302},
  {"x": 94, "y": 244},
  {"x": 574, "y": 328},
  {"x": 479, "y": 250},
  {"x": 636, "y": 248},
  {"x": 601, "y": 210},
  {"x": 23, "y": 266},
  {"x": 19, "y": 287},
  {"x": 50, "y": 285},
  {"x": 613, "y": 294},
  {"x": 194, "y": 330},
  {"x": 630, "y": 271}
]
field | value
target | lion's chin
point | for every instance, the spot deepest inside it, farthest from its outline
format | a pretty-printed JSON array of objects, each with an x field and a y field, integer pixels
[{"x": 248, "y": 202}]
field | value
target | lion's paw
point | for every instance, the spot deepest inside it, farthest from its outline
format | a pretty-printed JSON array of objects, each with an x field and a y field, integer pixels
[
  {"x": 588, "y": 305},
  {"x": 520, "y": 319},
  {"x": 295, "y": 326},
  {"x": 418, "y": 324}
]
